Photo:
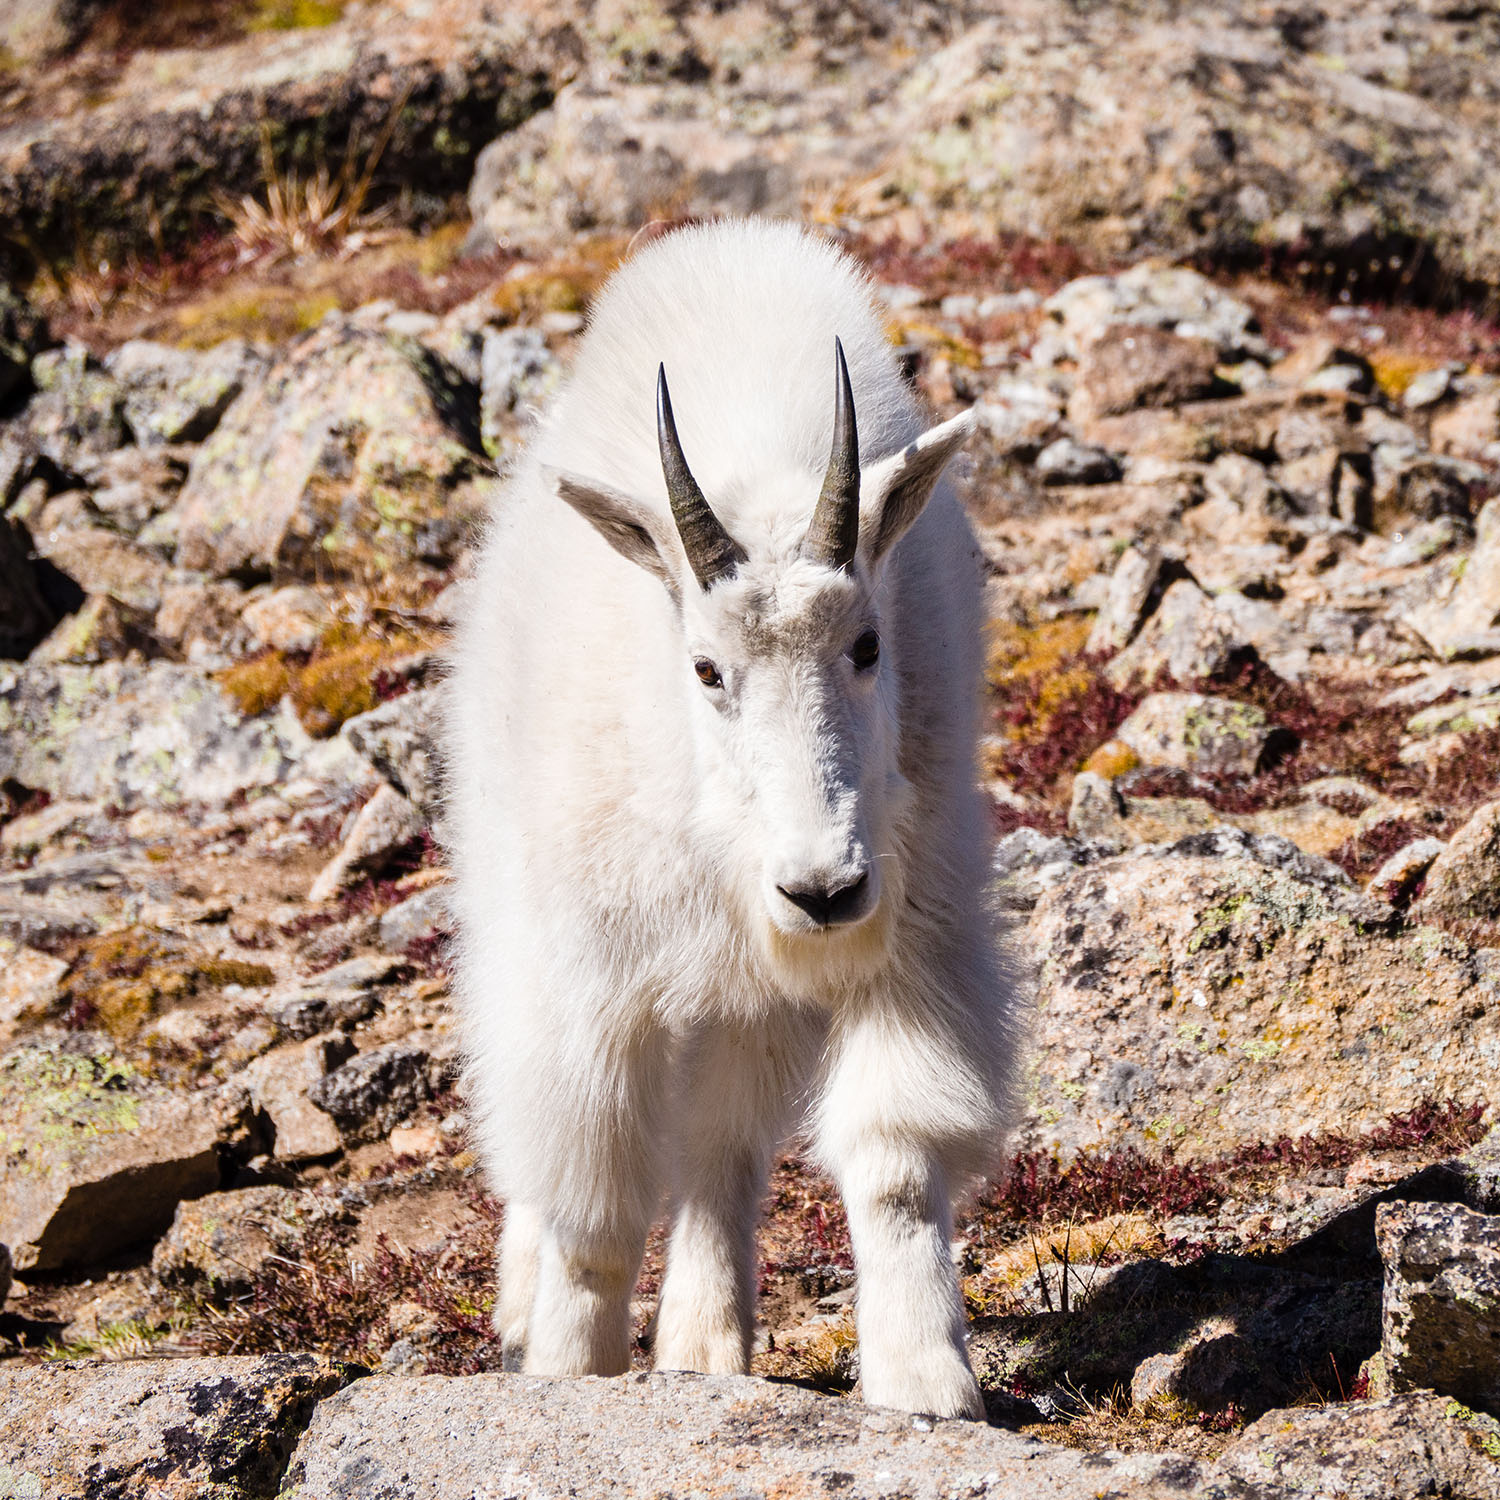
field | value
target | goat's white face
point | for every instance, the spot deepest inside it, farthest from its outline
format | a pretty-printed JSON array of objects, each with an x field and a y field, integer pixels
[
  {"x": 795, "y": 727},
  {"x": 794, "y": 706}
]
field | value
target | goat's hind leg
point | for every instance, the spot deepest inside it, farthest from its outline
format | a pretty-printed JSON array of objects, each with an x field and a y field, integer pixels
[{"x": 520, "y": 1253}]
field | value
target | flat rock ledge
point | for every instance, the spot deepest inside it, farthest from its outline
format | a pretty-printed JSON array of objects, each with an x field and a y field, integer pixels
[{"x": 296, "y": 1427}]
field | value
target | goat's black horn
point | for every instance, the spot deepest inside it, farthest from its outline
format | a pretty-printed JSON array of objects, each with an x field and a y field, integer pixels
[
  {"x": 834, "y": 533},
  {"x": 711, "y": 552}
]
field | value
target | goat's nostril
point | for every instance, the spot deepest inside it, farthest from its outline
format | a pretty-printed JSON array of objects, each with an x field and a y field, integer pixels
[
  {"x": 843, "y": 903},
  {"x": 827, "y": 908}
]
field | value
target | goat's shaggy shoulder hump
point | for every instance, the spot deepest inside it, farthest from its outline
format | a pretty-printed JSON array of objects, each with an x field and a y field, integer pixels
[{"x": 718, "y": 846}]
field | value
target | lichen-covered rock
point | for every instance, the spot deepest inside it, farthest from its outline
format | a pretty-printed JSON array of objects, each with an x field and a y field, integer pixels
[
  {"x": 135, "y": 735},
  {"x": 1400, "y": 1448},
  {"x": 1231, "y": 989},
  {"x": 95, "y": 1158},
  {"x": 517, "y": 369},
  {"x": 1441, "y": 1308},
  {"x": 24, "y": 615},
  {"x": 289, "y": 619},
  {"x": 103, "y": 629},
  {"x": 1194, "y": 732},
  {"x": 1463, "y": 881},
  {"x": 174, "y": 1429},
  {"x": 399, "y": 739},
  {"x": 419, "y": 918},
  {"x": 77, "y": 414},
  {"x": 178, "y": 395},
  {"x": 355, "y": 453}
]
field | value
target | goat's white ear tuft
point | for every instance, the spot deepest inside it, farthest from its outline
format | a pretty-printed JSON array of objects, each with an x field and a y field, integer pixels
[
  {"x": 894, "y": 491},
  {"x": 627, "y": 524}
]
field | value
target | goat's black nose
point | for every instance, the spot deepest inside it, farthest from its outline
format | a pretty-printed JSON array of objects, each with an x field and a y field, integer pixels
[{"x": 830, "y": 908}]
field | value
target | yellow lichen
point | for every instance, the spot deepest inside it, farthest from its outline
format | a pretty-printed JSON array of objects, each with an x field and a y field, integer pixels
[{"x": 1114, "y": 758}]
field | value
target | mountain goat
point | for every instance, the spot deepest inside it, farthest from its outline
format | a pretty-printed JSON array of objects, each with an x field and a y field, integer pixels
[{"x": 719, "y": 851}]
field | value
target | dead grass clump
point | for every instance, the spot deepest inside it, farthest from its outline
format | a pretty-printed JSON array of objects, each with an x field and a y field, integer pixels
[
  {"x": 1052, "y": 707},
  {"x": 121, "y": 980},
  {"x": 347, "y": 673}
]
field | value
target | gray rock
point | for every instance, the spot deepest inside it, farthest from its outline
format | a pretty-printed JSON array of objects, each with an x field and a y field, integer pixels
[
  {"x": 1440, "y": 1314},
  {"x": 1463, "y": 620},
  {"x": 1186, "y": 639},
  {"x": 102, "y": 630},
  {"x": 1028, "y": 863},
  {"x": 77, "y": 414},
  {"x": 103, "y": 562},
  {"x": 517, "y": 369},
  {"x": 279, "y": 1084},
  {"x": 1194, "y": 732},
  {"x": 1206, "y": 1374},
  {"x": 24, "y": 615},
  {"x": 1402, "y": 1448},
  {"x": 1463, "y": 881},
  {"x": 386, "y": 823},
  {"x": 375, "y": 1091},
  {"x": 1129, "y": 365},
  {"x": 1135, "y": 589},
  {"x": 355, "y": 453},
  {"x": 339, "y": 996},
  {"x": 1069, "y": 462},
  {"x": 1167, "y": 297},
  {"x": 136, "y": 735},
  {"x": 174, "y": 1429},
  {"x": 416, "y": 919},
  {"x": 289, "y": 619},
  {"x": 178, "y": 395},
  {"x": 646, "y": 1435},
  {"x": 399, "y": 739},
  {"x": 95, "y": 1158}
]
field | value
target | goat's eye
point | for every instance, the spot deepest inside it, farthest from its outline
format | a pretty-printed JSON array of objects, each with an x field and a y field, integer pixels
[
  {"x": 865, "y": 651},
  {"x": 708, "y": 673}
]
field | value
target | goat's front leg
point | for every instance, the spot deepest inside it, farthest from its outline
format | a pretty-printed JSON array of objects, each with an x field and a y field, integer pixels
[
  {"x": 738, "y": 1084},
  {"x": 908, "y": 1096},
  {"x": 908, "y": 1306}
]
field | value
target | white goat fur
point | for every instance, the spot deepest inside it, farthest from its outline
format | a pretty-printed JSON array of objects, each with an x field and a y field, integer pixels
[{"x": 643, "y": 1010}]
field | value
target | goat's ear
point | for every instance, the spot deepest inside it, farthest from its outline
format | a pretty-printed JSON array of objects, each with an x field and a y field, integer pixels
[
  {"x": 622, "y": 520},
  {"x": 893, "y": 492}
]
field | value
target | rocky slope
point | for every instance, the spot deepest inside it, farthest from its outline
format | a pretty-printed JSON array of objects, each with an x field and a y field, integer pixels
[{"x": 1243, "y": 733}]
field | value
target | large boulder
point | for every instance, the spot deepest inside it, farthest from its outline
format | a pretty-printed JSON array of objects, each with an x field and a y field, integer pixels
[
  {"x": 1230, "y": 989},
  {"x": 1463, "y": 881},
  {"x": 174, "y": 1429},
  {"x": 96, "y": 1159},
  {"x": 357, "y": 453},
  {"x": 155, "y": 734}
]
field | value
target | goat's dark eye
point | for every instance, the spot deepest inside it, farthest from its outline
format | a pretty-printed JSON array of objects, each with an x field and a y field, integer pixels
[
  {"x": 865, "y": 651},
  {"x": 708, "y": 673}
]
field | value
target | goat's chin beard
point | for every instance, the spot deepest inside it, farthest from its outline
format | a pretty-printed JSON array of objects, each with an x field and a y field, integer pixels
[{"x": 804, "y": 962}]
